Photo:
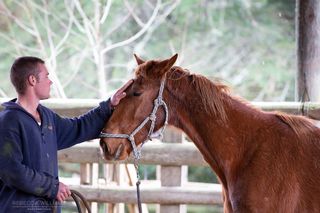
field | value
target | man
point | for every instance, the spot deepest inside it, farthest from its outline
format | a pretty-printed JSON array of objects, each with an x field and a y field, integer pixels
[{"x": 31, "y": 134}]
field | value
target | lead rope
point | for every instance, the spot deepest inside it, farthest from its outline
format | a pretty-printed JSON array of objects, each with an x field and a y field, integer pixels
[
  {"x": 137, "y": 151},
  {"x": 77, "y": 197},
  {"x": 136, "y": 166}
]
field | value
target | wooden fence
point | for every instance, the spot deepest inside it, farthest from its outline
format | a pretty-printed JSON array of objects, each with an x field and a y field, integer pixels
[
  {"x": 169, "y": 156},
  {"x": 171, "y": 189}
]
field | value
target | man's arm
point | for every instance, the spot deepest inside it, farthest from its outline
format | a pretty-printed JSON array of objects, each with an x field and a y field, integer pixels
[
  {"x": 88, "y": 126},
  {"x": 17, "y": 175}
]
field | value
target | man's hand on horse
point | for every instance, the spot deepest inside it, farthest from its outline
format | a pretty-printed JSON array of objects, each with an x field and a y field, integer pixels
[{"x": 116, "y": 97}]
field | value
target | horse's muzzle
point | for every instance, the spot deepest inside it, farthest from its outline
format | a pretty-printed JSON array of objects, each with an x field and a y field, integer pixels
[{"x": 108, "y": 153}]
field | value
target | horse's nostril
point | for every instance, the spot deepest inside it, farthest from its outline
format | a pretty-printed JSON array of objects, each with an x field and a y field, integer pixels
[{"x": 104, "y": 147}]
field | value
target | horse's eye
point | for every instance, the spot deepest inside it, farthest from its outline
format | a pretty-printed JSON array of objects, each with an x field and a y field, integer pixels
[{"x": 136, "y": 93}]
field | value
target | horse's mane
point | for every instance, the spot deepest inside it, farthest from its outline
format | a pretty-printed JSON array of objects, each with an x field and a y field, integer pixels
[{"x": 212, "y": 94}]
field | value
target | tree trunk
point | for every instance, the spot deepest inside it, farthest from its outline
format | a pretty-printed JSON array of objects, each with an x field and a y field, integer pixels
[{"x": 308, "y": 50}]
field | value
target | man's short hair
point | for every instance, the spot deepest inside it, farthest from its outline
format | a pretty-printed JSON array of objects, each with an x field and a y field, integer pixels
[{"x": 21, "y": 69}]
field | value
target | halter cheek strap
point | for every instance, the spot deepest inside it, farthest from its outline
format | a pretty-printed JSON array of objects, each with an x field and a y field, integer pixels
[{"x": 152, "y": 117}]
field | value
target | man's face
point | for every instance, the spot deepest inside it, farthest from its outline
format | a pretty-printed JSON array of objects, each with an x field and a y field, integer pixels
[{"x": 42, "y": 87}]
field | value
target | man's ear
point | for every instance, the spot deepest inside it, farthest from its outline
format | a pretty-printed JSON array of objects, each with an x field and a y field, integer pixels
[
  {"x": 32, "y": 80},
  {"x": 138, "y": 59}
]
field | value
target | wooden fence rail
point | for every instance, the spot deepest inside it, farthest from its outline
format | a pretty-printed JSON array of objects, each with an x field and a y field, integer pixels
[
  {"x": 208, "y": 194},
  {"x": 154, "y": 153},
  {"x": 74, "y": 107}
]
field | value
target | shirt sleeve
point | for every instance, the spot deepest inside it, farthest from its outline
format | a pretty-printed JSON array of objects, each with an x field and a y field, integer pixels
[
  {"x": 17, "y": 175},
  {"x": 71, "y": 131}
]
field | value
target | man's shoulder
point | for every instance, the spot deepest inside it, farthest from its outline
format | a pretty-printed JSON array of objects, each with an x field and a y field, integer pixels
[
  {"x": 9, "y": 114},
  {"x": 10, "y": 119},
  {"x": 11, "y": 110},
  {"x": 47, "y": 111}
]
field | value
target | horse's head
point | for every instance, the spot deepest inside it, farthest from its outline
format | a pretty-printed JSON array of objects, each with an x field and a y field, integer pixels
[{"x": 135, "y": 109}]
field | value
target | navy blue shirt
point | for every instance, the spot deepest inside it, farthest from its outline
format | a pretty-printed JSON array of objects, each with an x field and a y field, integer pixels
[{"x": 28, "y": 153}]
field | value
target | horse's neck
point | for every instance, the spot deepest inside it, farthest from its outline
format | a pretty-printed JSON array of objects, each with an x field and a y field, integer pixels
[{"x": 221, "y": 142}]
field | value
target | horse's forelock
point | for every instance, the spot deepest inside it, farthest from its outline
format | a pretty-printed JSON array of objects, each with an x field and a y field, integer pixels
[
  {"x": 147, "y": 69},
  {"x": 150, "y": 70}
]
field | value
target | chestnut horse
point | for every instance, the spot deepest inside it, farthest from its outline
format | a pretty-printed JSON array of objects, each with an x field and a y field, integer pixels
[{"x": 265, "y": 161}]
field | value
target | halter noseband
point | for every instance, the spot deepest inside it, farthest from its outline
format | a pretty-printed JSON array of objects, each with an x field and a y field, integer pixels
[{"x": 152, "y": 117}]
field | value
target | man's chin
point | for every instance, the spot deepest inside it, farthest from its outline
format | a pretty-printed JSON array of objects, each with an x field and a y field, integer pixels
[{"x": 45, "y": 97}]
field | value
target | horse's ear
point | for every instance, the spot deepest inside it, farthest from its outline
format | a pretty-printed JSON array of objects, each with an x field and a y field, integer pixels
[
  {"x": 172, "y": 60},
  {"x": 138, "y": 59},
  {"x": 168, "y": 63}
]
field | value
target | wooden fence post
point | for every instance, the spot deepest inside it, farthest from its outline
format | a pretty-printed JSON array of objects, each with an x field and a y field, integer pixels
[
  {"x": 172, "y": 175},
  {"x": 114, "y": 174},
  {"x": 85, "y": 178},
  {"x": 308, "y": 50},
  {"x": 94, "y": 182}
]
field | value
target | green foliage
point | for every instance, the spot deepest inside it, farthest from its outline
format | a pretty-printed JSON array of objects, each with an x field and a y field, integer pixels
[
  {"x": 239, "y": 41},
  {"x": 201, "y": 174},
  {"x": 204, "y": 209},
  {"x": 195, "y": 174},
  {"x": 147, "y": 172}
]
